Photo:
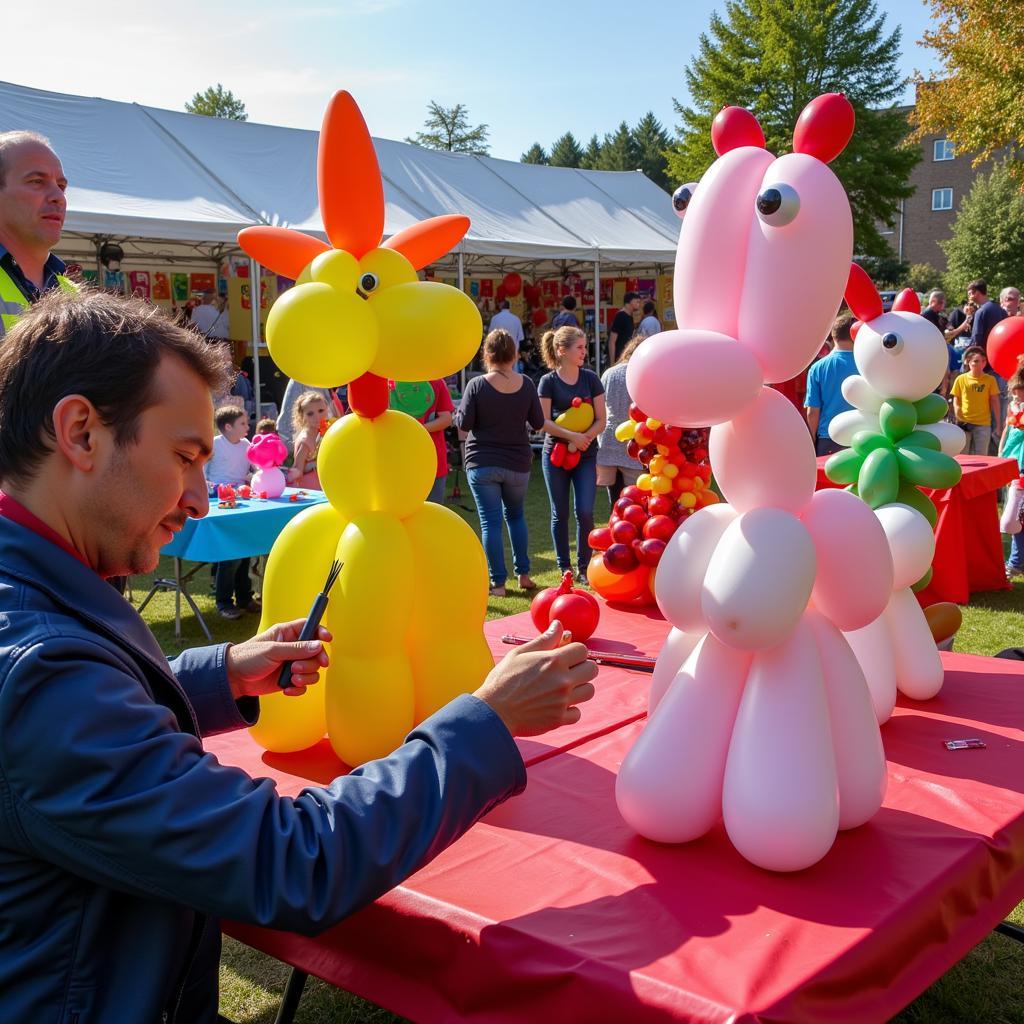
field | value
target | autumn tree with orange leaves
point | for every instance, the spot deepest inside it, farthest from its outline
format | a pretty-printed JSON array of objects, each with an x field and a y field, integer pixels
[{"x": 977, "y": 99}]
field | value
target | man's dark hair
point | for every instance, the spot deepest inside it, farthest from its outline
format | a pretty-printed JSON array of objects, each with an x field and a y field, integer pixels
[
  {"x": 569, "y": 302},
  {"x": 841, "y": 327},
  {"x": 979, "y": 284},
  {"x": 648, "y": 308},
  {"x": 629, "y": 297},
  {"x": 504, "y": 304},
  {"x": 103, "y": 347}
]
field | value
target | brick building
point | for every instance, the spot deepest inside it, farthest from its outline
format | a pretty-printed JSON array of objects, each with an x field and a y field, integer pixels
[{"x": 941, "y": 180}]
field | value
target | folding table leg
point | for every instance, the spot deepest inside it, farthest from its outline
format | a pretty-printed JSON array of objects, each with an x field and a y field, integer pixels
[
  {"x": 1013, "y": 931},
  {"x": 292, "y": 995}
]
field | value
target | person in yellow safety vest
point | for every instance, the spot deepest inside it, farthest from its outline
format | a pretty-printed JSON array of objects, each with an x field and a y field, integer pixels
[{"x": 32, "y": 209}]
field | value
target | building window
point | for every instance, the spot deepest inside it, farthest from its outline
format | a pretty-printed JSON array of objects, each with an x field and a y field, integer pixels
[
  {"x": 942, "y": 149},
  {"x": 942, "y": 199}
]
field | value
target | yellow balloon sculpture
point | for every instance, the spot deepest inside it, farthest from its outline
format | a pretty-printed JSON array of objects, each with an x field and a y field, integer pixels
[{"x": 408, "y": 608}]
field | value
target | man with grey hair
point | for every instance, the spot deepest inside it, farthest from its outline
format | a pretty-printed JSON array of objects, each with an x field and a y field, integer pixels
[
  {"x": 933, "y": 312},
  {"x": 1009, "y": 299},
  {"x": 32, "y": 209}
]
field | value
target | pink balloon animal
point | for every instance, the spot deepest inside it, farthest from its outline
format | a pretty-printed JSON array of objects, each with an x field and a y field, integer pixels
[
  {"x": 268, "y": 452},
  {"x": 759, "y": 711}
]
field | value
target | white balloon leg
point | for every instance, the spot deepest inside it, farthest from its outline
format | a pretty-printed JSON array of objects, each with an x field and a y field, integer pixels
[
  {"x": 919, "y": 671},
  {"x": 677, "y": 648},
  {"x": 872, "y": 648},
  {"x": 669, "y": 787},
  {"x": 780, "y": 800},
  {"x": 856, "y": 741}
]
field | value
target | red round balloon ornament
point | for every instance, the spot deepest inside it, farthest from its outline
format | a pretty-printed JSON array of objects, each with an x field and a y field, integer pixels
[
  {"x": 573, "y": 614},
  {"x": 512, "y": 284},
  {"x": 1005, "y": 346}
]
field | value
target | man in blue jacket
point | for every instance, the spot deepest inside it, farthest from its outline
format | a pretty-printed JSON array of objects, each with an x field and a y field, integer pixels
[{"x": 121, "y": 841}]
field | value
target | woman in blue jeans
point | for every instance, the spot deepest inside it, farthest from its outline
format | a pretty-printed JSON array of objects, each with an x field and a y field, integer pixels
[
  {"x": 494, "y": 411},
  {"x": 565, "y": 352}
]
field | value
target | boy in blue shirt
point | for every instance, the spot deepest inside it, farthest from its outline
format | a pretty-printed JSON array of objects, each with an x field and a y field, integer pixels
[{"x": 825, "y": 378}]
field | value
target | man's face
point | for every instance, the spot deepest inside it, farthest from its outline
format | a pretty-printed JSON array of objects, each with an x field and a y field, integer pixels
[
  {"x": 938, "y": 303},
  {"x": 141, "y": 494},
  {"x": 634, "y": 305},
  {"x": 1011, "y": 302},
  {"x": 32, "y": 200},
  {"x": 973, "y": 295}
]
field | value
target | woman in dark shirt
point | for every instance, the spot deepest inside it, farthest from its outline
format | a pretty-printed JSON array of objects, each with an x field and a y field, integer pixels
[
  {"x": 494, "y": 411},
  {"x": 565, "y": 352}
]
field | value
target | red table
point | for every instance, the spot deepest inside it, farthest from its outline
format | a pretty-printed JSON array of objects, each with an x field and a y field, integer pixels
[
  {"x": 551, "y": 908},
  {"x": 968, "y": 544}
]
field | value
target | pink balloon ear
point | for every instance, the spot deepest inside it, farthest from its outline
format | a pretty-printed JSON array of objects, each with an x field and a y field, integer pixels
[
  {"x": 907, "y": 302},
  {"x": 824, "y": 127},
  {"x": 861, "y": 294},
  {"x": 734, "y": 127}
]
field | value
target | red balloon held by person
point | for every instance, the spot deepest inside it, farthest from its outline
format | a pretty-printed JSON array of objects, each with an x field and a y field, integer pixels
[{"x": 1005, "y": 346}]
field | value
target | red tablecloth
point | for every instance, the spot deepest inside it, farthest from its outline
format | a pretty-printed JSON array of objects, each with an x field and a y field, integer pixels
[
  {"x": 551, "y": 908},
  {"x": 968, "y": 545}
]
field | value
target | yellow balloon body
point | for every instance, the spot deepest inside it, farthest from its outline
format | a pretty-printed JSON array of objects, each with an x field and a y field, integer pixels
[
  {"x": 576, "y": 417},
  {"x": 385, "y": 464},
  {"x": 295, "y": 573}
]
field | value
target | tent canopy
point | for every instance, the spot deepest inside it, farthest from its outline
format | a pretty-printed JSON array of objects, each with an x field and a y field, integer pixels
[{"x": 140, "y": 172}]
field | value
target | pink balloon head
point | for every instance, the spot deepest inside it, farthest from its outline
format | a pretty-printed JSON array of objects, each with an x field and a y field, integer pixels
[{"x": 267, "y": 451}]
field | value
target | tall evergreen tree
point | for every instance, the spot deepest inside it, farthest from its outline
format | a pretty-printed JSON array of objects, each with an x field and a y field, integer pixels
[
  {"x": 773, "y": 57},
  {"x": 448, "y": 128},
  {"x": 534, "y": 155},
  {"x": 566, "y": 152},
  {"x": 619, "y": 152},
  {"x": 592, "y": 154},
  {"x": 651, "y": 142}
]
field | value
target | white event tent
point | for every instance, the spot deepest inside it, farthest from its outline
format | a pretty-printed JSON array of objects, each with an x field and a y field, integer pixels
[{"x": 176, "y": 187}]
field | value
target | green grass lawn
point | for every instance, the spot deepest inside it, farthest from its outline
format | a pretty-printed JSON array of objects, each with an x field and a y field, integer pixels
[{"x": 987, "y": 985}]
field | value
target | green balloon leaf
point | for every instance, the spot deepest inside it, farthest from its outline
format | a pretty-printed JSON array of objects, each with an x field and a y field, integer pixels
[
  {"x": 922, "y": 439},
  {"x": 927, "y": 468},
  {"x": 897, "y": 418},
  {"x": 867, "y": 441},
  {"x": 923, "y": 581},
  {"x": 931, "y": 409},
  {"x": 879, "y": 478},
  {"x": 908, "y": 494},
  {"x": 843, "y": 467}
]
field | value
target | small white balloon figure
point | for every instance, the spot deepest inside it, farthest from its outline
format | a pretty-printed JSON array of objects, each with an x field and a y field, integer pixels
[
  {"x": 897, "y": 442},
  {"x": 760, "y": 713}
]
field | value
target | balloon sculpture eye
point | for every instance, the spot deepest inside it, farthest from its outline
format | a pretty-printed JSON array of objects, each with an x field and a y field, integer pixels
[
  {"x": 892, "y": 343},
  {"x": 368, "y": 283},
  {"x": 681, "y": 198},
  {"x": 778, "y": 205}
]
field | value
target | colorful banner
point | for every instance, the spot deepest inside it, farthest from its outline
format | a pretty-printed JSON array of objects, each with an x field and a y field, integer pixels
[
  {"x": 138, "y": 281},
  {"x": 203, "y": 282},
  {"x": 179, "y": 287},
  {"x": 486, "y": 288},
  {"x": 161, "y": 287}
]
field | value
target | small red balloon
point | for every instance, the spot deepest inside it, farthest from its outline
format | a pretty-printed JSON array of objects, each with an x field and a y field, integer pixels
[
  {"x": 578, "y": 612},
  {"x": 600, "y": 539},
  {"x": 660, "y": 505},
  {"x": 634, "y": 494},
  {"x": 824, "y": 127},
  {"x": 659, "y": 528},
  {"x": 635, "y": 514},
  {"x": 539, "y": 318},
  {"x": 637, "y": 414},
  {"x": 734, "y": 127},
  {"x": 512, "y": 284},
  {"x": 622, "y": 504},
  {"x": 619, "y": 559},
  {"x": 1005, "y": 346},
  {"x": 624, "y": 532},
  {"x": 650, "y": 551}
]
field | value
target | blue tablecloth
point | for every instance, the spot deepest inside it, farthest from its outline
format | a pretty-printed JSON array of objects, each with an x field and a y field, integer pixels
[{"x": 244, "y": 531}]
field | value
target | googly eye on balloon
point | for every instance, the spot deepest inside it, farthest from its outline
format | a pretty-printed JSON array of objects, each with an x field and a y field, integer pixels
[
  {"x": 892, "y": 343},
  {"x": 681, "y": 198},
  {"x": 368, "y": 283},
  {"x": 778, "y": 205}
]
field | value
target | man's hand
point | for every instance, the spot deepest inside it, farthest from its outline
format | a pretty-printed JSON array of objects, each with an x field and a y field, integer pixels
[
  {"x": 536, "y": 687},
  {"x": 254, "y": 666}
]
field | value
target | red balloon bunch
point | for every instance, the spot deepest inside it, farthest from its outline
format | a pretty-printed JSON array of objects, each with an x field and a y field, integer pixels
[{"x": 676, "y": 484}]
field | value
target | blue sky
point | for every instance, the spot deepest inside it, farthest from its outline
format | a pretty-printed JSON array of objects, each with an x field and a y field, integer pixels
[{"x": 527, "y": 69}]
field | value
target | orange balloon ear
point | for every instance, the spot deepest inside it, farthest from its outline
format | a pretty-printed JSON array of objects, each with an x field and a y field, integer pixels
[
  {"x": 348, "y": 179},
  {"x": 281, "y": 250},
  {"x": 429, "y": 240}
]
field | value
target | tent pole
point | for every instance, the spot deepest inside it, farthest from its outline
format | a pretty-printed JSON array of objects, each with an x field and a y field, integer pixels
[
  {"x": 462, "y": 288},
  {"x": 255, "y": 293},
  {"x": 597, "y": 313}
]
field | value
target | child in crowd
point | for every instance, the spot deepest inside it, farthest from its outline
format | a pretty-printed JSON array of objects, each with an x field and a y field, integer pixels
[
  {"x": 430, "y": 403},
  {"x": 309, "y": 412},
  {"x": 1011, "y": 446},
  {"x": 229, "y": 464},
  {"x": 976, "y": 402},
  {"x": 266, "y": 426}
]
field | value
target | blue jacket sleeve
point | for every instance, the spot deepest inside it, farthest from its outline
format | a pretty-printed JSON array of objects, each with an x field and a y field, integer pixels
[
  {"x": 102, "y": 783},
  {"x": 202, "y": 672}
]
